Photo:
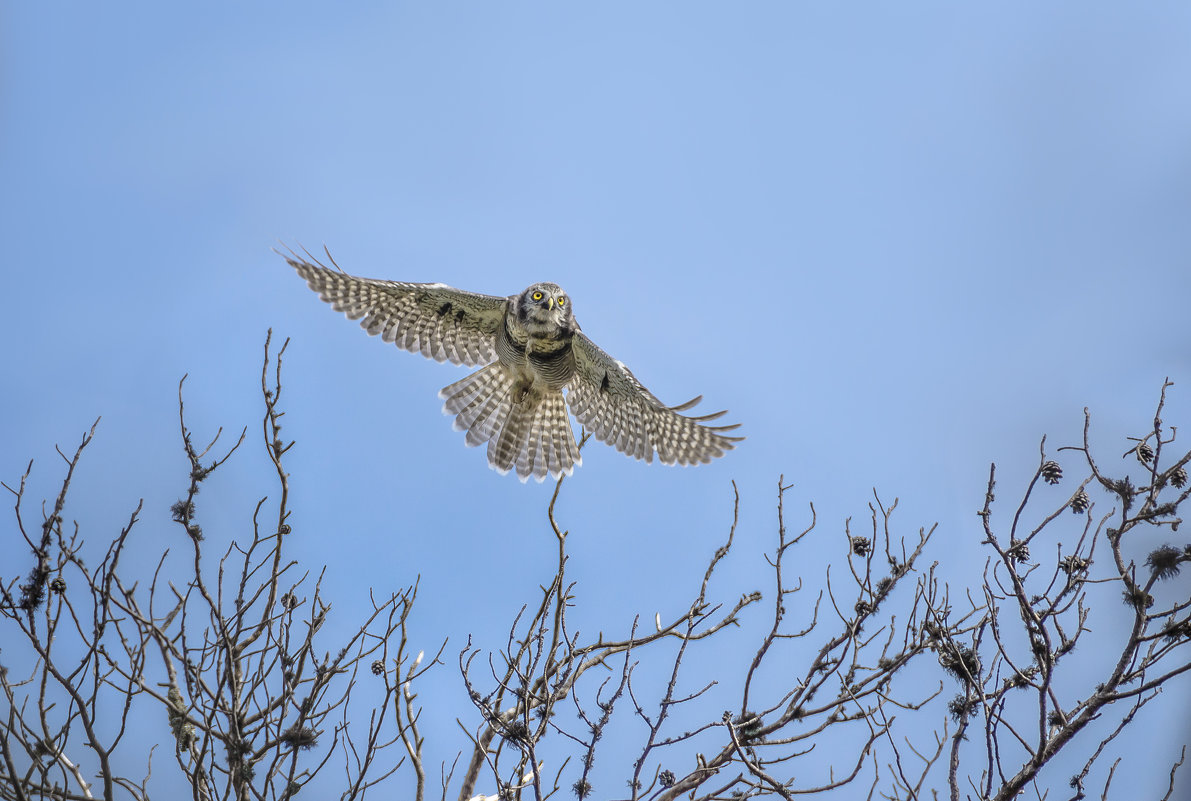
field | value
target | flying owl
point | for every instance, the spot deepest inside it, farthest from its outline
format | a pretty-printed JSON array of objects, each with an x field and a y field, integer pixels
[{"x": 530, "y": 349}]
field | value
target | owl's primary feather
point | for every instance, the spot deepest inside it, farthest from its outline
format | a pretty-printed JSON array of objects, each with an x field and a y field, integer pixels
[{"x": 532, "y": 351}]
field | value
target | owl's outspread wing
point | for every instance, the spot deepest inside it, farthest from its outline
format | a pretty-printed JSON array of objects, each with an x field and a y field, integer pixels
[
  {"x": 609, "y": 401},
  {"x": 440, "y": 322}
]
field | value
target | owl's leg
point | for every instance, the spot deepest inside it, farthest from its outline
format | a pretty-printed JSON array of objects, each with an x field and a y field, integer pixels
[{"x": 521, "y": 388}]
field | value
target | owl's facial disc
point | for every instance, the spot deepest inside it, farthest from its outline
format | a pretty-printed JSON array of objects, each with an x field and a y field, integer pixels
[{"x": 544, "y": 308}]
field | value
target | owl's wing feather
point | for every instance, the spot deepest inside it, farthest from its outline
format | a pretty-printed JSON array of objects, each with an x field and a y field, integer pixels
[
  {"x": 440, "y": 322},
  {"x": 608, "y": 400}
]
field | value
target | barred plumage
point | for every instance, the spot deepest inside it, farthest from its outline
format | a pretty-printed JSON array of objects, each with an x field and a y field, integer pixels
[
  {"x": 441, "y": 323},
  {"x": 531, "y": 350}
]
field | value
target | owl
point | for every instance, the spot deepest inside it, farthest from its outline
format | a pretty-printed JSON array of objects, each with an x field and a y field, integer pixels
[{"x": 530, "y": 351}]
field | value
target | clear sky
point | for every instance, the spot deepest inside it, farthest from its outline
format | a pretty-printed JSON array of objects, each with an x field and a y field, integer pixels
[{"x": 897, "y": 241}]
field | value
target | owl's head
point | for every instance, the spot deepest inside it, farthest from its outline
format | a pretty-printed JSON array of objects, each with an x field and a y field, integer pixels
[{"x": 545, "y": 310}]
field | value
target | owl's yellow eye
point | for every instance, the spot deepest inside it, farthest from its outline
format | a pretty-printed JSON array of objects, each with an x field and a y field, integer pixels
[
  {"x": 562, "y": 301},
  {"x": 537, "y": 295}
]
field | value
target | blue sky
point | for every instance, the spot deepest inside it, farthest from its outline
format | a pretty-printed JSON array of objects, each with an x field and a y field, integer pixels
[{"x": 897, "y": 242}]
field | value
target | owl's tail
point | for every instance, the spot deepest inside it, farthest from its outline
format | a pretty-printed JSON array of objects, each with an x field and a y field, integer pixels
[{"x": 532, "y": 434}]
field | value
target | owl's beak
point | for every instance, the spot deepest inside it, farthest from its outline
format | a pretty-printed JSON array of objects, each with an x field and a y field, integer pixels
[{"x": 549, "y": 303}]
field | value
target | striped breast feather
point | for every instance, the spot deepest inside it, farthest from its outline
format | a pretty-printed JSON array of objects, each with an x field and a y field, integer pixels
[
  {"x": 440, "y": 322},
  {"x": 608, "y": 400}
]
